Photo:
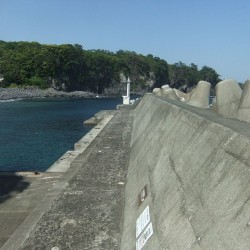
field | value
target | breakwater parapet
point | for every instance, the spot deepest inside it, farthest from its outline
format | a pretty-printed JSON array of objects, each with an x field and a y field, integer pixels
[{"x": 195, "y": 172}]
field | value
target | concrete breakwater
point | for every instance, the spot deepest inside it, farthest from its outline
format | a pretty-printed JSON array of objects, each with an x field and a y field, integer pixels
[
  {"x": 180, "y": 181},
  {"x": 195, "y": 172},
  {"x": 79, "y": 200}
]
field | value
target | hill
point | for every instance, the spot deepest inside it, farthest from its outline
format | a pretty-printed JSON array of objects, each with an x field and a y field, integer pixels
[{"x": 70, "y": 67}]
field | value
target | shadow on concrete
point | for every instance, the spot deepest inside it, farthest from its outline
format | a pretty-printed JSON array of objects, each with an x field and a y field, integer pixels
[{"x": 10, "y": 184}]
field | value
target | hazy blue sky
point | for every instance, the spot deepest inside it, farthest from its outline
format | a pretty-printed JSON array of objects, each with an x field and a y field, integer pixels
[{"x": 215, "y": 33}]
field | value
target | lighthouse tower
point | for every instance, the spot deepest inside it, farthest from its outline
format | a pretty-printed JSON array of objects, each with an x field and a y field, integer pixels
[{"x": 126, "y": 99}]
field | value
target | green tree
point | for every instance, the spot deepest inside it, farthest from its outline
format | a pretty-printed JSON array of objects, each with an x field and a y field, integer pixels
[
  {"x": 210, "y": 75},
  {"x": 70, "y": 67},
  {"x": 101, "y": 70}
]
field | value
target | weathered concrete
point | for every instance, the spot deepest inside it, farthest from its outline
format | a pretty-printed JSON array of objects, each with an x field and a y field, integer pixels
[
  {"x": 92, "y": 121},
  {"x": 244, "y": 105},
  {"x": 197, "y": 170},
  {"x": 88, "y": 210},
  {"x": 98, "y": 117},
  {"x": 157, "y": 91},
  {"x": 199, "y": 97},
  {"x": 63, "y": 163},
  {"x": 20, "y": 194},
  {"x": 183, "y": 97},
  {"x": 130, "y": 106},
  {"x": 194, "y": 162},
  {"x": 168, "y": 93},
  {"x": 228, "y": 94}
]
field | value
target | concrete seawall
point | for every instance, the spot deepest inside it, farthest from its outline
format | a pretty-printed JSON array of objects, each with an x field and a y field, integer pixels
[
  {"x": 196, "y": 172},
  {"x": 164, "y": 175}
]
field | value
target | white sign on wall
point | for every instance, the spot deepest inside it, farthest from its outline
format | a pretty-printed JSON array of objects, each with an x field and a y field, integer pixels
[
  {"x": 144, "y": 237},
  {"x": 142, "y": 221}
]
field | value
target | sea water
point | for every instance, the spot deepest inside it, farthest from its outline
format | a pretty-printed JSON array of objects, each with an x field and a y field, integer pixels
[{"x": 35, "y": 133}]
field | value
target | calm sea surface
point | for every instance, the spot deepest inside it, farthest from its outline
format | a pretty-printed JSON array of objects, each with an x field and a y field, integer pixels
[{"x": 35, "y": 133}]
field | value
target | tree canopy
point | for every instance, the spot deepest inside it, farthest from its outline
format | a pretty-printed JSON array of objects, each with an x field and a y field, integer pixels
[
  {"x": 70, "y": 67},
  {"x": 185, "y": 77}
]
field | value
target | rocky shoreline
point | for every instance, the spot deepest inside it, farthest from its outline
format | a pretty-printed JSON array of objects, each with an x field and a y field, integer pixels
[{"x": 31, "y": 93}]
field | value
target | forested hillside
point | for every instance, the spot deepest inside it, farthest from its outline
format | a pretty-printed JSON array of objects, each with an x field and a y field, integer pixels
[{"x": 70, "y": 67}]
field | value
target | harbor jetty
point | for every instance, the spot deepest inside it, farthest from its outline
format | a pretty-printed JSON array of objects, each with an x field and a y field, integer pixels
[{"x": 163, "y": 173}]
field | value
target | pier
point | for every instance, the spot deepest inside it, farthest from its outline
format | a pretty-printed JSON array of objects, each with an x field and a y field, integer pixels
[{"x": 159, "y": 174}]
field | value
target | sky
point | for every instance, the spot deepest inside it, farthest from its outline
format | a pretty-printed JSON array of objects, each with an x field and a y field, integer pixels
[{"x": 214, "y": 33}]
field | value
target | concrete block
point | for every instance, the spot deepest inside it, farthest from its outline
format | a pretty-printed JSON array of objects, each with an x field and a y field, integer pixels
[
  {"x": 157, "y": 91},
  {"x": 228, "y": 94},
  {"x": 169, "y": 93},
  {"x": 200, "y": 95},
  {"x": 183, "y": 97},
  {"x": 244, "y": 105},
  {"x": 91, "y": 121}
]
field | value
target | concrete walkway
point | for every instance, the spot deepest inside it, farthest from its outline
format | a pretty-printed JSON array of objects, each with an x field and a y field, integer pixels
[
  {"x": 84, "y": 208},
  {"x": 19, "y": 195}
]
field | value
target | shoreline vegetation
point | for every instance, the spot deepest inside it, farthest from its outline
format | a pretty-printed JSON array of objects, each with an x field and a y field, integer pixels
[{"x": 70, "y": 67}]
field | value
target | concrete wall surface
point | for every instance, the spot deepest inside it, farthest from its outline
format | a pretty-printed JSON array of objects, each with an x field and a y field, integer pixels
[
  {"x": 244, "y": 105},
  {"x": 197, "y": 174},
  {"x": 228, "y": 95},
  {"x": 200, "y": 96}
]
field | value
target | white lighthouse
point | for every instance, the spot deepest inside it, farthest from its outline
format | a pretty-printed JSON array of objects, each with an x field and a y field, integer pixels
[{"x": 126, "y": 99}]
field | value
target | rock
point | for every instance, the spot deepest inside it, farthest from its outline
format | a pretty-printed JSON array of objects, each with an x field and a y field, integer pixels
[
  {"x": 33, "y": 92},
  {"x": 244, "y": 105},
  {"x": 228, "y": 95},
  {"x": 200, "y": 95}
]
